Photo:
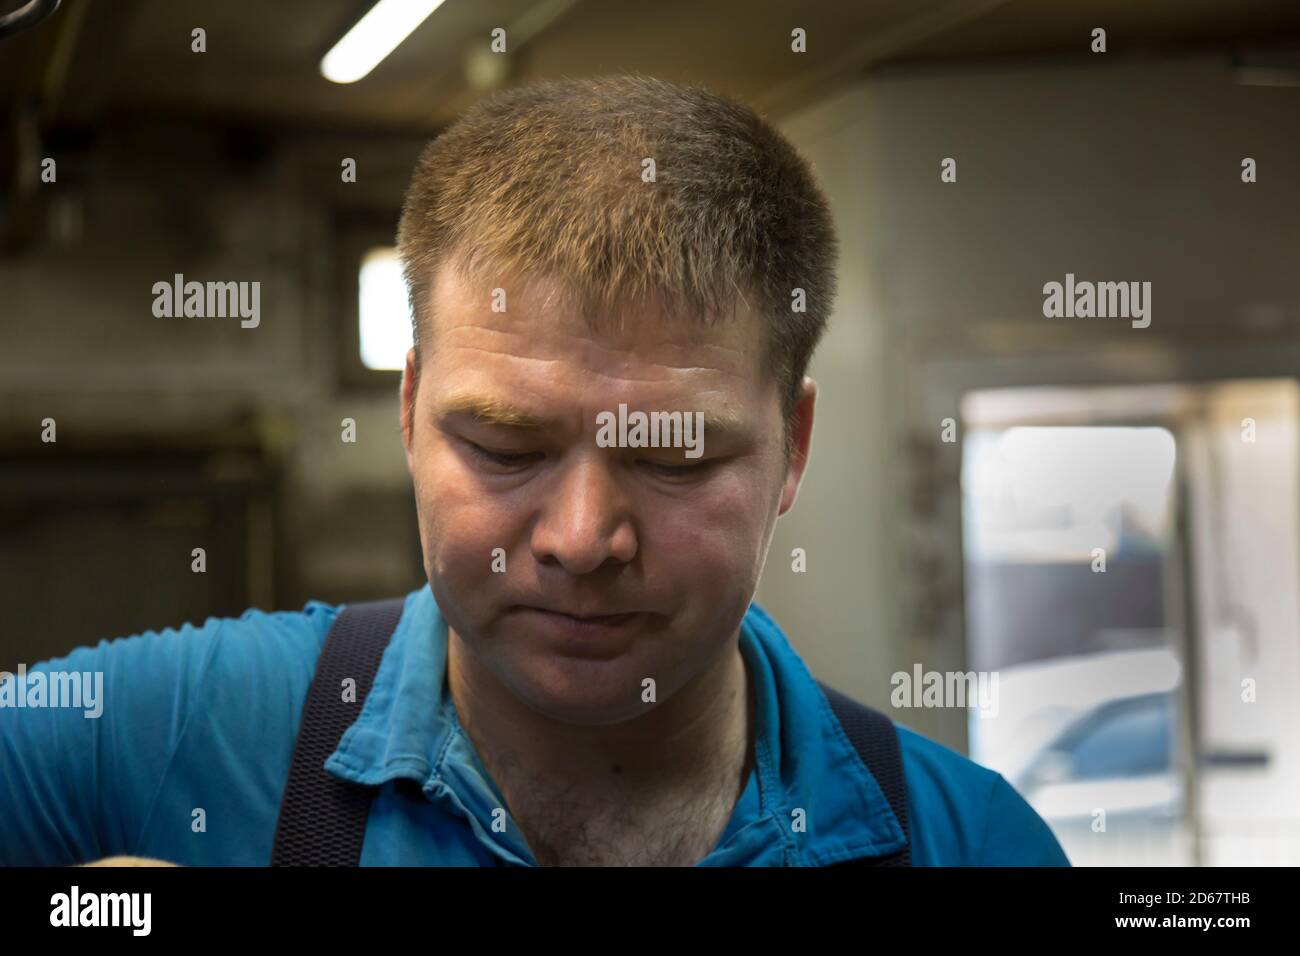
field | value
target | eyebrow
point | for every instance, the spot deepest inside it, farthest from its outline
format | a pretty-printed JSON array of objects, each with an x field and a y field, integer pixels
[{"x": 488, "y": 410}]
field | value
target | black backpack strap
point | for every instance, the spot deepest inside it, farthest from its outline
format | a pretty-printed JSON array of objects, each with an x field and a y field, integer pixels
[
  {"x": 875, "y": 738},
  {"x": 322, "y": 818}
]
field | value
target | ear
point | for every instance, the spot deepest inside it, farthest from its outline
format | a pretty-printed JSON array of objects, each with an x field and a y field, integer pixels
[
  {"x": 410, "y": 383},
  {"x": 801, "y": 425}
]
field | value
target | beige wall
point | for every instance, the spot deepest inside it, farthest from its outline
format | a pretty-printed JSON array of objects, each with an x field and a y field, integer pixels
[{"x": 841, "y": 614}]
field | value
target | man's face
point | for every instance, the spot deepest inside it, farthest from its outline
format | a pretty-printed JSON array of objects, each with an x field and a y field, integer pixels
[{"x": 502, "y": 449}]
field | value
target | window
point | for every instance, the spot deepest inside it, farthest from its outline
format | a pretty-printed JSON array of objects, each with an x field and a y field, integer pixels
[{"x": 383, "y": 312}]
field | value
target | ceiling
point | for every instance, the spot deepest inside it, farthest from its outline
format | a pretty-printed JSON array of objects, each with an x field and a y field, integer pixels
[{"x": 95, "y": 61}]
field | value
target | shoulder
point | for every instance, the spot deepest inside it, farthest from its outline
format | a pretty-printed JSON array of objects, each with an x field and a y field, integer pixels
[
  {"x": 171, "y": 667},
  {"x": 257, "y": 648},
  {"x": 964, "y": 814},
  {"x": 243, "y": 677},
  {"x": 162, "y": 711}
]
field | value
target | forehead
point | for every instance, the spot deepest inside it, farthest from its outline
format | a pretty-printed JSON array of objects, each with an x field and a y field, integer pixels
[{"x": 540, "y": 337}]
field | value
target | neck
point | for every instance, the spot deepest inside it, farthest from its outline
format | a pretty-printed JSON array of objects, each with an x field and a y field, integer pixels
[{"x": 695, "y": 747}]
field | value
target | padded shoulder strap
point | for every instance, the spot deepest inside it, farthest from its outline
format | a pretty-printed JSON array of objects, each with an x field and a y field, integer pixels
[
  {"x": 875, "y": 738},
  {"x": 322, "y": 818}
]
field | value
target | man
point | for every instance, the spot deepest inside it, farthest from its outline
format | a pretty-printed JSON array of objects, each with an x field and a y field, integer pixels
[{"x": 584, "y": 680}]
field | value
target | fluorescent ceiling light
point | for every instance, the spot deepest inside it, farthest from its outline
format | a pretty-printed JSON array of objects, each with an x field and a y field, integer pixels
[{"x": 376, "y": 35}]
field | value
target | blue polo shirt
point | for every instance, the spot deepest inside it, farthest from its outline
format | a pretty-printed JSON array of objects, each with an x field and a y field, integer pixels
[{"x": 188, "y": 760}]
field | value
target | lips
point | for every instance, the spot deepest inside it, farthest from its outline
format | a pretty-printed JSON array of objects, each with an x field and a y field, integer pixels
[
  {"x": 601, "y": 637},
  {"x": 593, "y": 616}
]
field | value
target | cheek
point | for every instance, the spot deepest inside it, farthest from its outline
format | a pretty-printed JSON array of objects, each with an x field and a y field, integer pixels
[
  {"x": 712, "y": 543},
  {"x": 460, "y": 521}
]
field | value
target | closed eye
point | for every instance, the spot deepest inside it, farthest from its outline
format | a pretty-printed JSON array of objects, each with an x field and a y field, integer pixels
[
  {"x": 504, "y": 458},
  {"x": 676, "y": 471}
]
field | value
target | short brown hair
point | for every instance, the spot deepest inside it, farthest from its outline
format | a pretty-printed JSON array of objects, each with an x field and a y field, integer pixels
[{"x": 546, "y": 179}]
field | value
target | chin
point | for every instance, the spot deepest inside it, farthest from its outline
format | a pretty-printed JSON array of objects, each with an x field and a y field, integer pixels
[{"x": 589, "y": 693}]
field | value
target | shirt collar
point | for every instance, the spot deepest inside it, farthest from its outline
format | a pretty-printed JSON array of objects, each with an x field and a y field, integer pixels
[
  {"x": 809, "y": 762},
  {"x": 803, "y": 761}
]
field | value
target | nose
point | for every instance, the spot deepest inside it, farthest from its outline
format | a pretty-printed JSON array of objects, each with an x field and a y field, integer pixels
[{"x": 587, "y": 521}]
